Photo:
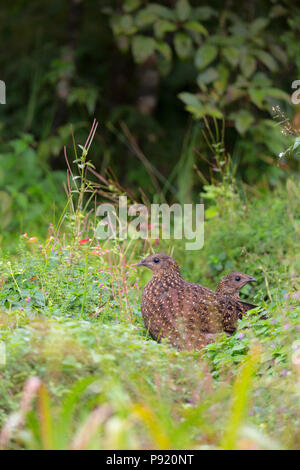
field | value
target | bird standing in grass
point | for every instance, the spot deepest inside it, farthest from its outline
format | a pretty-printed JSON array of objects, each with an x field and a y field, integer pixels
[
  {"x": 189, "y": 315},
  {"x": 232, "y": 284}
]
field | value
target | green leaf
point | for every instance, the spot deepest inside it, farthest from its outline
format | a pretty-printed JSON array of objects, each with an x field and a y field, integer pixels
[
  {"x": 142, "y": 47},
  {"x": 232, "y": 55},
  {"x": 204, "y": 13},
  {"x": 196, "y": 27},
  {"x": 161, "y": 27},
  {"x": 123, "y": 25},
  {"x": 130, "y": 5},
  {"x": 258, "y": 25},
  {"x": 205, "y": 55},
  {"x": 189, "y": 99},
  {"x": 261, "y": 80},
  {"x": 239, "y": 347},
  {"x": 248, "y": 65},
  {"x": 257, "y": 96},
  {"x": 212, "y": 111},
  {"x": 223, "y": 74},
  {"x": 164, "y": 49},
  {"x": 234, "y": 93},
  {"x": 208, "y": 76},
  {"x": 279, "y": 53},
  {"x": 146, "y": 16},
  {"x": 277, "y": 93},
  {"x": 127, "y": 25},
  {"x": 243, "y": 120},
  {"x": 183, "y": 45},
  {"x": 161, "y": 11},
  {"x": 267, "y": 60},
  {"x": 211, "y": 212},
  {"x": 183, "y": 9},
  {"x": 195, "y": 107},
  {"x": 84, "y": 96}
]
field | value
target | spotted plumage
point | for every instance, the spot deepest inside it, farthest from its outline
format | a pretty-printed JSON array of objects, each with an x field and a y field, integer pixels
[
  {"x": 189, "y": 315},
  {"x": 232, "y": 284}
]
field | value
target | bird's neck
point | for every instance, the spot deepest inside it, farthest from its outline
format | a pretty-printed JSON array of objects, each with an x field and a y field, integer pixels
[
  {"x": 172, "y": 275},
  {"x": 232, "y": 293}
]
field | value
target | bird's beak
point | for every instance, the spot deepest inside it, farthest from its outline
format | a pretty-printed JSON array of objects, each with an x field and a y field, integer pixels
[
  {"x": 141, "y": 263},
  {"x": 252, "y": 279}
]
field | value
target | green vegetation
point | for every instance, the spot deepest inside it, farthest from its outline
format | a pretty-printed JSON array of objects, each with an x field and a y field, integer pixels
[
  {"x": 193, "y": 105},
  {"x": 71, "y": 317},
  {"x": 142, "y": 63}
]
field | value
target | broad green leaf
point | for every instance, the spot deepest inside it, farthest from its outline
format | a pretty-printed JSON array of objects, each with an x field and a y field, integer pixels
[
  {"x": 261, "y": 80},
  {"x": 223, "y": 74},
  {"x": 204, "y": 13},
  {"x": 123, "y": 25},
  {"x": 257, "y": 96},
  {"x": 183, "y": 9},
  {"x": 205, "y": 55},
  {"x": 258, "y": 25},
  {"x": 240, "y": 30},
  {"x": 86, "y": 96},
  {"x": 197, "y": 108},
  {"x": 142, "y": 47},
  {"x": 161, "y": 27},
  {"x": 130, "y": 5},
  {"x": 189, "y": 99},
  {"x": 243, "y": 120},
  {"x": 161, "y": 11},
  {"x": 279, "y": 53},
  {"x": 164, "y": 49},
  {"x": 232, "y": 55},
  {"x": 146, "y": 16},
  {"x": 196, "y": 27},
  {"x": 248, "y": 65},
  {"x": 212, "y": 111},
  {"x": 197, "y": 111},
  {"x": 211, "y": 212},
  {"x": 238, "y": 347},
  {"x": 208, "y": 76},
  {"x": 234, "y": 93},
  {"x": 277, "y": 93},
  {"x": 267, "y": 60},
  {"x": 183, "y": 45},
  {"x": 127, "y": 25}
]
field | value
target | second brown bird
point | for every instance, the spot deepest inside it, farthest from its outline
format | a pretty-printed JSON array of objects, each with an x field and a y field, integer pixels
[{"x": 188, "y": 314}]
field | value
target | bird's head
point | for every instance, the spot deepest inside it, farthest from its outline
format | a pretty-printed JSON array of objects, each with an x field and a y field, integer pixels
[
  {"x": 233, "y": 283},
  {"x": 160, "y": 263}
]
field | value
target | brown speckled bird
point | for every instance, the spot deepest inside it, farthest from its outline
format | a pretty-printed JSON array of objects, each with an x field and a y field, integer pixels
[
  {"x": 189, "y": 315},
  {"x": 232, "y": 284}
]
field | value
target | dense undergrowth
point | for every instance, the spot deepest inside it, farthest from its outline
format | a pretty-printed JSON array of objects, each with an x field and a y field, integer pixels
[
  {"x": 71, "y": 324},
  {"x": 196, "y": 104}
]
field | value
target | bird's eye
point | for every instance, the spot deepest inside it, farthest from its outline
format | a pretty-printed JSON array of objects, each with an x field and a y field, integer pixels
[
  {"x": 156, "y": 260},
  {"x": 237, "y": 278}
]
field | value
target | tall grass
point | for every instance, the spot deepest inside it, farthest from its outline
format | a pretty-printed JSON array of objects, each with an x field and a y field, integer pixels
[{"x": 81, "y": 371}]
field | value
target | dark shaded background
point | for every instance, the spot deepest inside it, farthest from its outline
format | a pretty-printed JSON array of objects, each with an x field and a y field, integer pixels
[{"x": 148, "y": 72}]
